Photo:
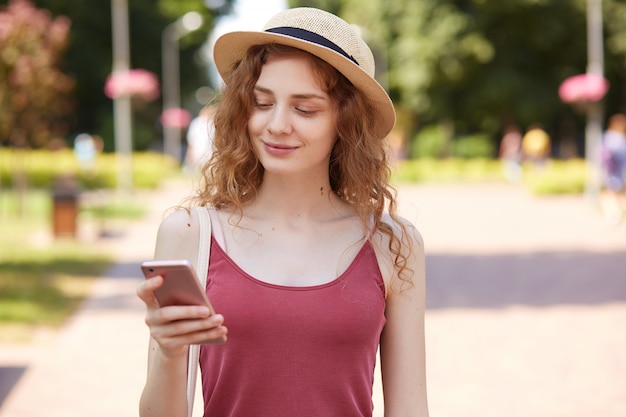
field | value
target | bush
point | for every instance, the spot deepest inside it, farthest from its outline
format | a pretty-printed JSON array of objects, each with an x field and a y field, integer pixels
[
  {"x": 433, "y": 141},
  {"x": 430, "y": 142},
  {"x": 473, "y": 146},
  {"x": 448, "y": 170},
  {"x": 43, "y": 167},
  {"x": 557, "y": 177}
]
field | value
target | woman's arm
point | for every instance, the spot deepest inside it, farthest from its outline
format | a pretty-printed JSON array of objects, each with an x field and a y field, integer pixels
[
  {"x": 173, "y": 328},
  {"x": 402, "y": 348}
]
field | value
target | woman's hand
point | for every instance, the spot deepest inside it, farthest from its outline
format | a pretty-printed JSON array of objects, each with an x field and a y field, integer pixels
[{"x": 174, "y": 328}]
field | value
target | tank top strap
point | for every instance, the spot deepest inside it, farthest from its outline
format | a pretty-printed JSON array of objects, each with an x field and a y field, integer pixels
[{"x": 216, "y": 228}]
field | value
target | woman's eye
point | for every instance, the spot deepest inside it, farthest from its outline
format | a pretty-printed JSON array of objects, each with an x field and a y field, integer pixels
[
  {"x": 261, "y": 105},
  {"x": 304, "y": 111}
]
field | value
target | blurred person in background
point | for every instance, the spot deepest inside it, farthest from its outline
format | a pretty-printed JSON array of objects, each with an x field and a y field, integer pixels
[
  {"x": 614, "y": 167},
  {"x": 511, "y": 153},
  {"x": 536, "y": 146},
  {"x": 199, "y": 140}
]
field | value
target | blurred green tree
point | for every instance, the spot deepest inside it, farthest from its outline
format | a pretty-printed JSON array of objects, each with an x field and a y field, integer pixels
[
  {"x": 479, "y": 65},
  {"x": 89, "y": 58}
]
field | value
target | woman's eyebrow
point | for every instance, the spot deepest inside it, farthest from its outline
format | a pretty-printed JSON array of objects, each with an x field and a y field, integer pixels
[
  {"x": 309, "y": 96},
  {"x": 263, "y": 90}
]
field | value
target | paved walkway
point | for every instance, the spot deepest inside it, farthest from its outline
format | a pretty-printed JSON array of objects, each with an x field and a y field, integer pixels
[
  {"x": 526, "y": 304},
  {"x": 526, "y": 310}
]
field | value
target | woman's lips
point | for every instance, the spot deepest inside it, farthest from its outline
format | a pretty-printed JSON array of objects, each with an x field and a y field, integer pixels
[{"x": 277, "y": 149}]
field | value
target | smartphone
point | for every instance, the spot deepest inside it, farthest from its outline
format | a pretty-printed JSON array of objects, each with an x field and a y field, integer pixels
[
  {"x": 180, "y": 283},
  {"x": 180, "y": 286}
]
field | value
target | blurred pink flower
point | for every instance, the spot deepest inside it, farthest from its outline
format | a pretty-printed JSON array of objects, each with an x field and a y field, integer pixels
[
  {"x": 583, "y": 87},
  {"x": 175, "y": 117},
  {"x": 59, "y": 30},
  {"x": 134, "y": 82}
]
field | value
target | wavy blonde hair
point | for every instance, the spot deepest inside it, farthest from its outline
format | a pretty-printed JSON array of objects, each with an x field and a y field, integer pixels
[{"x": 359, "y": 169}]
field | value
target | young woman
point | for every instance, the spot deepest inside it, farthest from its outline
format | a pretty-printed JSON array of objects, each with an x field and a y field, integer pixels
[{"x": 310, "y": 269}]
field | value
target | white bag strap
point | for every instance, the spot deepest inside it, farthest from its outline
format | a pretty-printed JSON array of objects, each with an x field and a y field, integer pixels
[{"x": 202, "y": 267}]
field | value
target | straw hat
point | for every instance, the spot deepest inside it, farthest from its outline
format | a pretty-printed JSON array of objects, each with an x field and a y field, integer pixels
[{"x": 324, "y": 35}]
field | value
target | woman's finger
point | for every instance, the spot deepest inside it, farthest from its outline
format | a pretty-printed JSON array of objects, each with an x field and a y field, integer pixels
[
  {"x": 145, "y": 291},
  {"x": 190, "y": 331}
]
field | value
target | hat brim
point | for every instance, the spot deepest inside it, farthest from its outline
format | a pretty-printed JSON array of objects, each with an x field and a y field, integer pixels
[{"x": 231, "y": 47}]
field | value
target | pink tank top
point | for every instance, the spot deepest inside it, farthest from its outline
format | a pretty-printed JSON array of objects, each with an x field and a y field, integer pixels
[{"x": 293, "y": 351}]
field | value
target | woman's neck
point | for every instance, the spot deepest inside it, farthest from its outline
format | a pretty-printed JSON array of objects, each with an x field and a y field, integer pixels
[{"x": 292, "y": 198}]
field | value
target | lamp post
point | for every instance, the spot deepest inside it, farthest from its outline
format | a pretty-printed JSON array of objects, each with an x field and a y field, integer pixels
[
  {"x": 171, "y": 75},
  {"x": 121, "y": 105},
  {"x": 593, "y": 129}
]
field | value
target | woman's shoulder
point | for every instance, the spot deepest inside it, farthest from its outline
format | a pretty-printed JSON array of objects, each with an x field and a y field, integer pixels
[
  {"x": 403, "y": 228},
  {"x": 178, "y": 223},
  {"x": 178, "y": 235},
  {"x": 411, "y": 245}
]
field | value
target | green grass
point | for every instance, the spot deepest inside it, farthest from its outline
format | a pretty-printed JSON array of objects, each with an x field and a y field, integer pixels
[
  {"x": 42, "y": 282},
  {"x": 116, "y": 210}
]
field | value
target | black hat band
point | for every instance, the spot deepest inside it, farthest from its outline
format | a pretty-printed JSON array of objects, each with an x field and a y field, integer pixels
[{"x": 312, "y": 37}]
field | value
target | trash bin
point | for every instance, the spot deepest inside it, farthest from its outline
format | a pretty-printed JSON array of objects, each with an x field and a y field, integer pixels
[{"x": 65, "y": 195}]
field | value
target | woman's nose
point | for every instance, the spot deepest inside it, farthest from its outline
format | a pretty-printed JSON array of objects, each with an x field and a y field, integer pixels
[{"x": 279, "y": 122}]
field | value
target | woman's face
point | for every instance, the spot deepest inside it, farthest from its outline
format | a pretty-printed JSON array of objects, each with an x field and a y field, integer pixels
[{"x": 293, "y": 124}]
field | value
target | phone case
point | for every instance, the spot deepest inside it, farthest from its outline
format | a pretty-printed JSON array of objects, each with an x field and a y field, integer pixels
[{"x": 180, "y": 284}]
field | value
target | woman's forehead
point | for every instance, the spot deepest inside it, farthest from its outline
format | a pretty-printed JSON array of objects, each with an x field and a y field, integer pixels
[{"x": 294, "y": 72}]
